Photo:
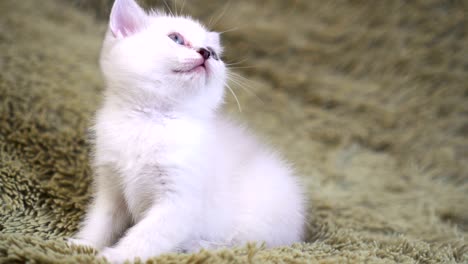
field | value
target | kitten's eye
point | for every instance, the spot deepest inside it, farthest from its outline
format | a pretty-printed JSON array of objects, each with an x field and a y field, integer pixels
[{"x": 177, "y": 38}]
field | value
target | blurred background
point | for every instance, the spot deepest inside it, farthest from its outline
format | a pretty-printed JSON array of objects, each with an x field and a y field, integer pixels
[
  {"x": 388, "y": 75},
  {"x": 368, "y": 100}
]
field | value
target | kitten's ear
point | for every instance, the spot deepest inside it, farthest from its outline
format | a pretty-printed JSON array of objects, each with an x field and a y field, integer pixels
[{"x": 126, "y": 18}]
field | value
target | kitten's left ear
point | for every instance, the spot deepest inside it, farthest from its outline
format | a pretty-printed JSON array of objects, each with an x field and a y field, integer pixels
[{"x": 126, "y": 18}]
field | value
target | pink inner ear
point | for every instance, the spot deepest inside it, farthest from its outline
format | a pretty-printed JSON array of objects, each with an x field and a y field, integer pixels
[{"x": 126, "y": 18}]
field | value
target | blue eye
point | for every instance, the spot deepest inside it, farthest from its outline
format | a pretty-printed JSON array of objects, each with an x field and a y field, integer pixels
[{"x": 177, "y": 38}]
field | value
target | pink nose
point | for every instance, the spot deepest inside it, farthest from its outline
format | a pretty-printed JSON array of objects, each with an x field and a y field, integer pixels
[{"x": 205, "y": 53}]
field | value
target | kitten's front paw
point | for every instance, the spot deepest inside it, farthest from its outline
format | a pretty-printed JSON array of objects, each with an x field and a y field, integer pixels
[
  {"x": 80, "y": 242},
  {"x": 113, "y": 255}
]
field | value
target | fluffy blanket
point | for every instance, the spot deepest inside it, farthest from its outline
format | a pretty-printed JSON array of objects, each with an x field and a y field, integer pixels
[{"x": 368, "y": 99}]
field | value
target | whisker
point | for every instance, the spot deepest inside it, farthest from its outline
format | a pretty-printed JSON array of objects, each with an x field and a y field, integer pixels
[
  {"x": 252, "y": 93},
  {"x": 235, "y": 97},
  {"x": 174, "y": 6},
  {"x": 237, "y": 76},
  {"x": 219, "y": 16},
  {"x": 242, "y": 82},
  {"x": 182, "y": 7},
  {"x": 229, "y": 30},
  {"x": 243, "y": 67},
  {"x": 237, "y": 62},
  {"x": 168, "y": 8},
  {"x": 209, "y": 22}
]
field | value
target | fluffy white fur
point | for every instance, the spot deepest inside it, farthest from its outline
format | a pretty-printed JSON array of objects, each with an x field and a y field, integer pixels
[{"x": 171, "y": 173}]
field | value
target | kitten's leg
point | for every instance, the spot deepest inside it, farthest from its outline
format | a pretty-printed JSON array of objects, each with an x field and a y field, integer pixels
[
  {"x": 108, "y": 215},
  {"x": 165, "y": 226}
]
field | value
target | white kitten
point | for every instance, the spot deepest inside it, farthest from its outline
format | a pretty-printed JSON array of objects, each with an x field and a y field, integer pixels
[{"x": 171, "y": 173}]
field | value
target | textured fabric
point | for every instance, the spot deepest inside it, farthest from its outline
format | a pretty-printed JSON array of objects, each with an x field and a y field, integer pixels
[{"x": 368, "y": 99}]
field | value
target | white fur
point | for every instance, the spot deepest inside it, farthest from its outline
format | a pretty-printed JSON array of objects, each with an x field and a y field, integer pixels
[{"x": 171, "y": 173}]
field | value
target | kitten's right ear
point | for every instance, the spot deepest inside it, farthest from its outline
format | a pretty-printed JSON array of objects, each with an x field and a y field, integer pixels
[{"x": 126, "y": 18}]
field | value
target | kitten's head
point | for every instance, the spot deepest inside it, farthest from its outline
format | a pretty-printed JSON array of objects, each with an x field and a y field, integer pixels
[{"x": 162, "y": 61}]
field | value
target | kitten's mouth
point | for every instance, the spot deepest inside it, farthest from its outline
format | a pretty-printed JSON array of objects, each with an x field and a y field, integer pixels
[{"x": 197, "y": 68}]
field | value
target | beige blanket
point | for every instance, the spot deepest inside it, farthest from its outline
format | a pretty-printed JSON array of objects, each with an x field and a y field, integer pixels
[{"x": 369, "y": 100}]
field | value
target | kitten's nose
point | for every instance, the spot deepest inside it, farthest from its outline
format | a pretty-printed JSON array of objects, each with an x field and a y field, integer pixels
[{"x": 204, "y": 52}]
